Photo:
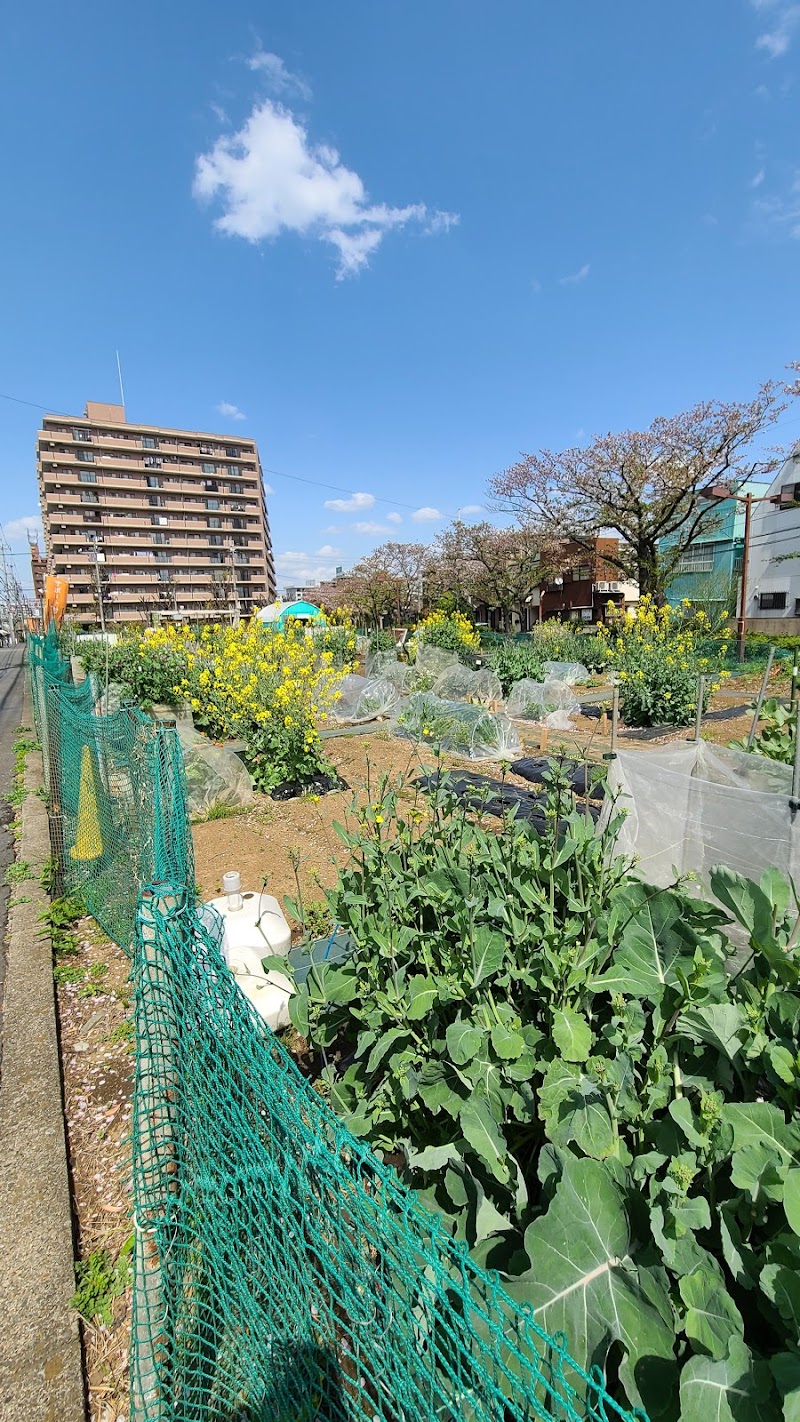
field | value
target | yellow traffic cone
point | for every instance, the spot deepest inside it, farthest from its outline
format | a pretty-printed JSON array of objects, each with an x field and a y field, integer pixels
[{"x": 88, "y": 839}]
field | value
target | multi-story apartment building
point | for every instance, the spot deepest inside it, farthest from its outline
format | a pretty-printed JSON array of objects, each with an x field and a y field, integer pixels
[{"x": 170, "y": 521}]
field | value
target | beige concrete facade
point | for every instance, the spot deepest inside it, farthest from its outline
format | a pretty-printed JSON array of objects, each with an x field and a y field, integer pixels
[{"x": 178, "y": 518}]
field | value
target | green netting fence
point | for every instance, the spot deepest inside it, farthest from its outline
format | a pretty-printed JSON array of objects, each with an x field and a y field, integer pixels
[
  {"x": 282, "y": 1272},
  {"x": 116, "y": 794}
]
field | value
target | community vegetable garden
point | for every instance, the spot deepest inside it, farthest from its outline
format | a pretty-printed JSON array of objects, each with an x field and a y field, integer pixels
[{"x": 594, "y": 1083}]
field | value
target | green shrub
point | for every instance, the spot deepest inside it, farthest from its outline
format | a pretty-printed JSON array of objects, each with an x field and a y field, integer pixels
[
  {"x": 451, "y": 631},
  {"x": 776, "y": 734},
  {"x": 658, "y": 660},
  {"x": 146, "y": 669}
]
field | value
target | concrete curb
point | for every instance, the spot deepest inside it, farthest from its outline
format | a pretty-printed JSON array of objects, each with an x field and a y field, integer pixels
[{"x": 41, "y": 1368}]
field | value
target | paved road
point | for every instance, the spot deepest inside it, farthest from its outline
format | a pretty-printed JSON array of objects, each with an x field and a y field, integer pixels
[{"x": 11, "y": 683}]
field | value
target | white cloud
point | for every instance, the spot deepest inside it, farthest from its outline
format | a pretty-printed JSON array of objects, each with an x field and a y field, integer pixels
[
  {"x": 331, "y": 528},
  {"x": 757, "y": 180},
  {"x": 229, "y": 411},
  {"x": 785, "y": 19},
  {"x": 327, "y": 551},
  {"x": 372, "y": 528},
  {"x": 299, "y": 567},
  {"x": 269, "y": 178},
  {"x": 16, "y": 532},
  {"x": 394, "y": 518},
  {"x": 580, "y": 275},
  {"x": 427, "y": 515},
  {"x": 352, "y": 505},
  {"x": 778, "y": 215},
  {"x": 471, "y": 509},
  {"x": 268, "y": 489},
  {"x": 279, "y": 79}
]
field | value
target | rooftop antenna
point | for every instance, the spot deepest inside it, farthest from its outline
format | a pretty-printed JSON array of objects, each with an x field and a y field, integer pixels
[{"x": 121, "y": 389}]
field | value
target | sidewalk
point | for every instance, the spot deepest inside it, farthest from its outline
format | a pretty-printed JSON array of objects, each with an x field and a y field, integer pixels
[{"x": 41, "y": 1376}]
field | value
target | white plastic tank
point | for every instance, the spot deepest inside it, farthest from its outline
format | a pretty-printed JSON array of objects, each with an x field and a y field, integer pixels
[{"x": 255, "y": 928}]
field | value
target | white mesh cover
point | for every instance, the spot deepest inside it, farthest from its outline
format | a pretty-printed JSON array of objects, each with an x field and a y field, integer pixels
[
  {"x": 465, "y": 730},
  {"x": 692, "y": 805},
  {"x": 573, "y": 673},
  {"x": 551, "y": 703},
  {"x": 364, "y": 698},
  {"x": 460, "y": 683},
  {"x": 386, "y": 666}
]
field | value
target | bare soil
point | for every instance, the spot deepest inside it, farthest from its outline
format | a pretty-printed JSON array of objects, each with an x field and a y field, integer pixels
[{"x": 97, "y": 1058}]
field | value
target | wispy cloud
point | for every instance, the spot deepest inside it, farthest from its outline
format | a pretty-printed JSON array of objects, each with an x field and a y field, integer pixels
[
  {"x": 372, "y": 528},
  {"x": 16, "y": 531},
  {"x": 229, "y": 411},
  {"x": 351, "y": 505},
  {"x": 278, "y": 78},
  {"x": 574, "y": 277},
  {"x": 327, "y": 551},
  {"x": 394, "y": 518},
  {"x": 268, "y": 489},
  {"x": 758, "y": 178},
  {"x": 782, "y": 18},
  {"x": 427, "y": 515},
  {"x": 776, "y": 215},
  {"x": 269, "y": 178},
  {"x": 471, "y": 509}
]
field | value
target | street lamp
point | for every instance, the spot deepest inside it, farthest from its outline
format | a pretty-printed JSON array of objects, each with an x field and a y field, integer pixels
[{"x": 721, "y": 491}]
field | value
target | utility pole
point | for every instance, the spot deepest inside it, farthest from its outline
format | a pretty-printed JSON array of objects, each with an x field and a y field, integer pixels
[
  {"x": 237, "y": 615},
  {"x": 742, "y": 621}
]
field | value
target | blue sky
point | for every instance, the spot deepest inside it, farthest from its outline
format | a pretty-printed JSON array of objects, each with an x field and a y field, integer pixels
[{"x": 405, "y": 238}]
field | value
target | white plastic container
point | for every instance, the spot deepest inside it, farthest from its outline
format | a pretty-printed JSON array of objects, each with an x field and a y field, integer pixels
[{"x": 257, "y": 930}]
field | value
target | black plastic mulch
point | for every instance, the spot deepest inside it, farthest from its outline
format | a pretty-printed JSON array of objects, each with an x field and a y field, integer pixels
[
  {"x": 580, "y": 775},
  {"x": 317, "y": 785},
  {"x": 495, "y": 797}
]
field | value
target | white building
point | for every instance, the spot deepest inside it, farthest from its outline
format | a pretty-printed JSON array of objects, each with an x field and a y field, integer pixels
[{"x": 773, "y": 569}]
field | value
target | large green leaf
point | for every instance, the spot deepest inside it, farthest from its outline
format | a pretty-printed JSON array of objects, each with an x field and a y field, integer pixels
[
  {"x": 720, "y": 1025},
  {"x": 463, "y": 1041},
  {"x": 746, "y": 901},
  {"x": 785, "y": 1368},
  {"x": 441, "y": 1088},
  {"x": 384, "y": 1045},
  {"x": 421, "y": 993},
  {"x": 650, "y": 947},
  {"x": 572, "y": 1035},
  {"x": 791, "y": 1198},
  {"x": 485, "y": 1136},
  {"x": 508, "y": 1043},
  {"x": 760, "y": 1121},
  {"x": 758, "y": 1170},
  {"x": 732, "y": 1389},
  {"x": 581, "y": 1281},
  {"x": 712, "y": 1318},
  {"x": 782, "y": 1288},
  {"x": 582, "y": 1116},
  {"x": 488, "y": 953}
]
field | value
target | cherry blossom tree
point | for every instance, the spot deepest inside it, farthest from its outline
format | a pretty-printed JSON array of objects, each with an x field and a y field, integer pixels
[{"x": 648, "y": 486}]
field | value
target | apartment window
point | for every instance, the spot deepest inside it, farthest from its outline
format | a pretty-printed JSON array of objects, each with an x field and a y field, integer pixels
[
  {"x": 152, "y": 461},
  {"x": 582, "y": 572},
  {"x": 235, "y": 488},
  {"x": 212, "y": 503},
  {"x": 86, "y": 456},
  {"x": 86, "y": 476},
  {"x": 148, "y": 442},
  {"x": 215, "y": 540},
  {"x": 206, "y": 449},
  {"x": 163, "y": 575},
  {"x": 160, "y": 538},
  {"x": 232, "y": 452},
  {"x": 234, "y": 471},
  {"x": 772, "y": 601},
  {"x": 211, "y": 486},
  {"x": 243, "y": 576},
  {"x": 83, "y": 436},
  {"x": 88, "y": 497},
  {"x": 209, "y": 468},
  {"x": 215, "y": 523},
  {"x": 238, "y": 523},
  {"x": 215, "y": 558},
  {"x": 156, "y": 501},
  {"x": 91, "y": 518},
  {"x": 790, "y": 495},
  {"x": 153, "y": 481},
  {"x": 698, "y": 559},
  {"x": 162, "y": 557},
  {"x": 159, "y": 521}
]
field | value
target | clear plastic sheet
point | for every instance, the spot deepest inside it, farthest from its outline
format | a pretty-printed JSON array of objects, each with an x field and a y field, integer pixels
[
  {"x": 468, "y": 731},
  {"x": 573, "y": 673},
  {"x": 214, "y": 774},
  {"x": 460, "y": 683},
  {"x": 692, "y": 805},
  {"x": 550, "y": 703},
  {"x": 386, "y": 667},
  {"x": 364, "y": 698}
]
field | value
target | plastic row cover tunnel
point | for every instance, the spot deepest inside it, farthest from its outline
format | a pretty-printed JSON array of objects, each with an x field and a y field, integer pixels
[
  {"x": 363, "y": 698},
  {"x": 694, "y": 805},
  {"x": 214, "y": 774},
  {"x": 549, "y": 702},
  {"x": 469, "y": 731},
  {"x": 384, "y": 666},
  {"x": 460, "y": 683}
]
